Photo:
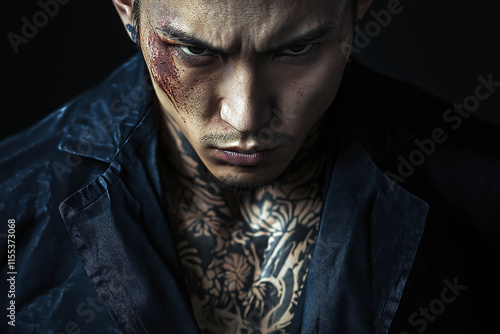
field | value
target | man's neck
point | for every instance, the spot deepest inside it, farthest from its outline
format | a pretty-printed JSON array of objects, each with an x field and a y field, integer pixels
[{"x": 245, "y": 255}]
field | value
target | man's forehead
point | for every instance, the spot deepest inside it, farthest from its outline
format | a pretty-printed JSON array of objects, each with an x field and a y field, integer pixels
[
  {"x": 247, "y": 7},
  {"x": 264, "y": 22}
]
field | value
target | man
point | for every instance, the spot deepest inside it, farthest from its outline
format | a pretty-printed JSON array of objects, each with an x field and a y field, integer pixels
[{"x": 232, "y": 192}]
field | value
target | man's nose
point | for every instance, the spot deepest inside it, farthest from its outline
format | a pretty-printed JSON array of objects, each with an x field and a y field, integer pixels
[{"x": 246, "y": 103}]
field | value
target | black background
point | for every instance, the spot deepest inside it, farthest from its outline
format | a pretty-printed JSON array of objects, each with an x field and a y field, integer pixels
[{"x": 441, "y": 46}]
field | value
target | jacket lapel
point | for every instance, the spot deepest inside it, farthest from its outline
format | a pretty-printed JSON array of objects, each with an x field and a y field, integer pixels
[
  {"x": 368, "y": 238},
  {"x": 118, "y": 228}
]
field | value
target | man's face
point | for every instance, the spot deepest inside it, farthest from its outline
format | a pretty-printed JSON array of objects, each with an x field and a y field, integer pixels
[{"x": 245, "y": 81}]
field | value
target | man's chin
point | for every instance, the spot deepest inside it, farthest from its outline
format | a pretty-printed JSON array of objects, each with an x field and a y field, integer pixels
[{"x": 245, "y": 183}]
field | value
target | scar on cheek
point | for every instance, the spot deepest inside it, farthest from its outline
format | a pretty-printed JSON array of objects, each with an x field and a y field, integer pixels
[{"x": 164, "y": 69}]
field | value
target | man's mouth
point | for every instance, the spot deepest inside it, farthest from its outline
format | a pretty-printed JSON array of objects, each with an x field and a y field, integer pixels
[{"x": 244, "y": 157}]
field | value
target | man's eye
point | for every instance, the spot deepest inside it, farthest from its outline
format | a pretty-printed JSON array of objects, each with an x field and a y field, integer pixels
[
  {"x": 194, "y": 51},
  {"x": 297, "y": 50}
]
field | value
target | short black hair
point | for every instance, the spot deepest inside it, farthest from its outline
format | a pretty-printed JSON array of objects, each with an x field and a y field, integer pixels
[{"x": 136, "y": 18}]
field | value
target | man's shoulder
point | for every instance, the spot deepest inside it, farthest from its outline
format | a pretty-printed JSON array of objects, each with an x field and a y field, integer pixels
[
  {"x": 93, "y": 120},
  {"x": 62, "y": 152},
  {"x": 450, "y": 159},
  {"x": 419, "y": 140},
  {"x": 43, "y": 165}
]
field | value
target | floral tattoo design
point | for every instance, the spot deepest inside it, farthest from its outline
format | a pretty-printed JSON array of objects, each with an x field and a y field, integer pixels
[{"x": 244, "y": 256}]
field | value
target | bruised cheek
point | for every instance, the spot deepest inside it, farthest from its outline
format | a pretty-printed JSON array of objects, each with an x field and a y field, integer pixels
[
  {"x": 189, "y": 95},
  {"x": 164, "y": 70}
]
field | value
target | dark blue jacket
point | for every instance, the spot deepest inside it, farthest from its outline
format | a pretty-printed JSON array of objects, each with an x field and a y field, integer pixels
[{"x": 94, "y": 254}]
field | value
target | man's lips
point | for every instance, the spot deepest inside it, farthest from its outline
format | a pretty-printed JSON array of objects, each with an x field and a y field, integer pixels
[{"x": 241, "y": 157}]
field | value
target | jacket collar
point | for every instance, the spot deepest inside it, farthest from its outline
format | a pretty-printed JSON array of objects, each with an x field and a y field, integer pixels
[{"x": 100, "y": 121}]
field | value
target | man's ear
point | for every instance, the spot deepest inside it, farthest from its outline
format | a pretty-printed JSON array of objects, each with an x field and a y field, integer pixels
[
  {"x": 363, "y": 6},
  {"x": 124, "y": 9}
]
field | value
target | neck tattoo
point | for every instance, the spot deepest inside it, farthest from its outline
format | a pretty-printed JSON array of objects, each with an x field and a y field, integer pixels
[{"x": 244, "y": 256}]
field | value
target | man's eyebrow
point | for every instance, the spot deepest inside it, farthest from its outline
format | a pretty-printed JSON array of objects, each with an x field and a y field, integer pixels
[
  {"x": 184, "y": 38},
  {"x": 310, "y": 36},
  {"x": 304, "y": 38}
]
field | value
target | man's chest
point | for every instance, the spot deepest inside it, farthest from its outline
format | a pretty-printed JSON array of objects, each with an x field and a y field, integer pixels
[{"x": 245, "y": 262}]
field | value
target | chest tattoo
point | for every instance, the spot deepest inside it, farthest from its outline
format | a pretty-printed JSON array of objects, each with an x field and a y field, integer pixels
[{"x": 245, "y": 257}]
